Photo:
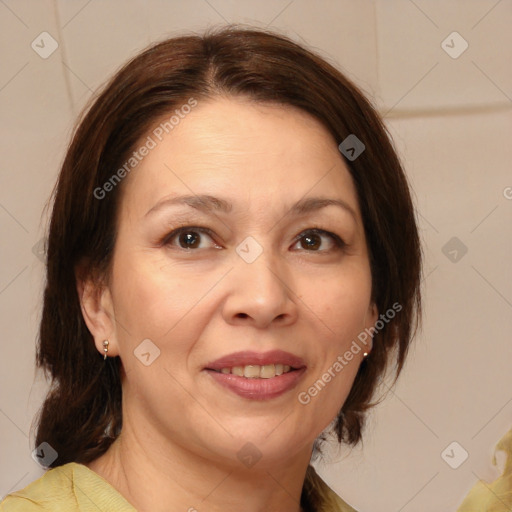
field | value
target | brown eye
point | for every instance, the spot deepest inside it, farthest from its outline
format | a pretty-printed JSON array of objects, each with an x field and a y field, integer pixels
[
  {"x": 190, "y": 237},
  {"x": 311, "y": 242},
  {"x": 189, "y": 240},
  {"x": 318, "y": 240}
]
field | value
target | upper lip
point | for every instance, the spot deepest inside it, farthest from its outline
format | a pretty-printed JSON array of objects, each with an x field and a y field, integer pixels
[{"x": 256, "y": 358}]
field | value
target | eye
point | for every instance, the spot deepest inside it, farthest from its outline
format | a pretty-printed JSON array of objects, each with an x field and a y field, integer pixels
[
  {"x": 190, "y": 237},
  {"x": 318, "y": 240}
]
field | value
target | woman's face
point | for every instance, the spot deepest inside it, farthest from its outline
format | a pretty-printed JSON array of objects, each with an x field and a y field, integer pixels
[{"x": 240, "y": 241}]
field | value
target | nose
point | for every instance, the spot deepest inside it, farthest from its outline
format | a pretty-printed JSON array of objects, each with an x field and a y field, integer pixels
[{"x": 260, "y": 294}]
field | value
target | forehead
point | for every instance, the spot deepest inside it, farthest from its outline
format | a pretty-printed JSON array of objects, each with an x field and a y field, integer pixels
[{"x": 239, "y": 148}]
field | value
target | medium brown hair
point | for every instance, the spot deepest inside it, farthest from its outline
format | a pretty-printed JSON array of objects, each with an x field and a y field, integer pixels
[{"x": 82, "y": 413}]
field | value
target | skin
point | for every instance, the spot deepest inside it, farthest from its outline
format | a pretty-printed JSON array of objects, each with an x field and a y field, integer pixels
[{"x": 181, "y": 430}]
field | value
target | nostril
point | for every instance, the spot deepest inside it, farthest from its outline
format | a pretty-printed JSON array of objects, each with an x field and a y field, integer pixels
[{"x": 242, "y": 315}]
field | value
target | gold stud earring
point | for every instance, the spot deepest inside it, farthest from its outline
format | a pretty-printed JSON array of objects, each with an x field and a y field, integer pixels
[{"x": 105, "y": 349}]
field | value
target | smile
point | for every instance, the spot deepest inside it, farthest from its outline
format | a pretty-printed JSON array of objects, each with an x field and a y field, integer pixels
[
  {"x": 257, "y": 375},
  {"x": 255, "y": 371}
]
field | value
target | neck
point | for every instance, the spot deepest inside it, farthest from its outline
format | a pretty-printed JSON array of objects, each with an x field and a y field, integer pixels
[{"x": 177, "y": 479}]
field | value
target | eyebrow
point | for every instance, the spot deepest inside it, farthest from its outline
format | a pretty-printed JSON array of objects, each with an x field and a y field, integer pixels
[
  {"x": 208, "y": 204},
  {"x": 311, "y": 204},
  {"x": 203, "y": 203}
]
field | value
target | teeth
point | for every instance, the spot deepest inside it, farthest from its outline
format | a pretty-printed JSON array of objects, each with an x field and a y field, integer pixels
[
  {"x": 267, "y": 371},
  {"x": 251, "y": 371},
  {"x": 254, "y": 371},
  {"x": 237, "y": 370}
]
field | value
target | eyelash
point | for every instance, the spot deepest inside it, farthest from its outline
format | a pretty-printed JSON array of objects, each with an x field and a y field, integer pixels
[
  {"x": 185, "y": 229},
  {"x": 337, "y": 240}
]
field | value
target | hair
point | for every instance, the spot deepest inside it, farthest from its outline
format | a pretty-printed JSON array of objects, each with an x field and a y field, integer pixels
[{"x": 82, "y": 413}]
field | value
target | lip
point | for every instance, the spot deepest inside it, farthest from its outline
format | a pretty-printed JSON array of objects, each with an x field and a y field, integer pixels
[
  {"x": 256, "y": 358},
  {"x": 257, "y": 389}
]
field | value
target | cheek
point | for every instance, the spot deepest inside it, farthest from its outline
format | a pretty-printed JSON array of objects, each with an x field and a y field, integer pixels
[
  {"x": 340, "y": 305},
  {"x": 338, "y": 308},
  {"x": 154, "y": 301},
  {"x": 340, "y": 302}
]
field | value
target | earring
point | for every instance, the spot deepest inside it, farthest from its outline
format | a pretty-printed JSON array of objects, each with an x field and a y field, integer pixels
[
  {"x": 366, "y": 354},
  {"x": 105, "y": 349}
]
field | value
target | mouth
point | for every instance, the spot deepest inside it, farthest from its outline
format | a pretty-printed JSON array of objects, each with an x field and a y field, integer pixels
[{"x": 257, "y": 376}]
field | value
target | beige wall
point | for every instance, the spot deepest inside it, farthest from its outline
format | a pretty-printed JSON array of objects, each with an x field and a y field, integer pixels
[{"x": 452, "y": 122}]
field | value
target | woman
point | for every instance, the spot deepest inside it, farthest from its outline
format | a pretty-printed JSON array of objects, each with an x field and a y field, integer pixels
[{"x": 233, "y": 262}]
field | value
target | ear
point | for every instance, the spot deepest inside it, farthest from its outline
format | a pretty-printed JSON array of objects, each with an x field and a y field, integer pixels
[
  {"x": 372, "y": 315},
  {"x": 98, "y": 312}
]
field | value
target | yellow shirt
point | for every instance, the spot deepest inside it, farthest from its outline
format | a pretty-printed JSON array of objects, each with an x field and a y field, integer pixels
[
  {"x": 67, "y": 488},
  {"x": 496, "y": 496},
  {"x": 74, "y": 487}
]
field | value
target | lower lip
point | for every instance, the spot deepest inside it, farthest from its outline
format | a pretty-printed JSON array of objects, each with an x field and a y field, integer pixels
[{"x": 258, "y": 389}]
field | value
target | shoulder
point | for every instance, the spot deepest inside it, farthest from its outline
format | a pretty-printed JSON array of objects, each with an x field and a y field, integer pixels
[
  {"x": 68, "y": 488},
  {"x": 13, "y": 503},
  {"x": 49, "y": 492}
]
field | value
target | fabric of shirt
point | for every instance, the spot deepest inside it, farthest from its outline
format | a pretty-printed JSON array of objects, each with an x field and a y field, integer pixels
[
  {"x": 74, "y": 487},
  {"x": 68, "y": 488},
  {"x": 495, "y": 496}
]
